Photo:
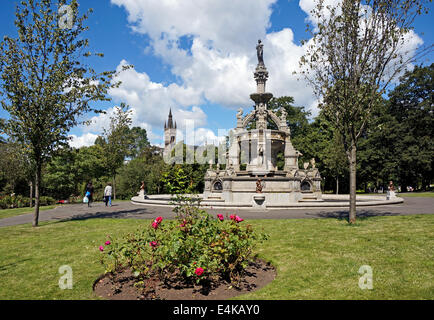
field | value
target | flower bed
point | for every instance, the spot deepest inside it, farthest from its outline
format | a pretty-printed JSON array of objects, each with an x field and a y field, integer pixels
[{"x": 193, "y": 249}]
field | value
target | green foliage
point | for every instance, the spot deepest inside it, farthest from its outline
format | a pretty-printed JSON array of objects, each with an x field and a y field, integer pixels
[
  {"x": 349, "y": 70},
  {"x": 44, "y": 83},
  {"x": 138, "y": 142},
  {"x": 297, "y": 117},
  {"x": 9, "y": 202},
  {"x": 411, "y": 104},
  {"x": 147, "y": 167},
  {"x": 60, "y": 178},
  {"x": 398, "y": 144},
  {"x": 193, "y": 248},
  {"x": 324, "y": 144},
  {"x": 15, "y": 168},
  {"x": 117, "y": 139},
  {"x": 176, "y": 181},
  {"x": 70, "y": 169}
]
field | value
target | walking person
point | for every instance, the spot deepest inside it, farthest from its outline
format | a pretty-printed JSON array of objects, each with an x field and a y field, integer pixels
[
  {"x": 108, "y": 194},
  {"x": 89, "y": 193}
]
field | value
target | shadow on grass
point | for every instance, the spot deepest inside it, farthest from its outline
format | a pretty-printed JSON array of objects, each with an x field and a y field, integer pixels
[
  {"x": 360, "y": 215},
  {"x": 11, "y": 265},
  {"x": 139, "y": 213}
]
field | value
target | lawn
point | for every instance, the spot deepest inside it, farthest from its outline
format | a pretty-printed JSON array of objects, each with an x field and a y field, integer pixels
[
  {"x": 6, "y": 213},
  {"x": 417, "y": 194},
  {"x": 315, "y": 258}
]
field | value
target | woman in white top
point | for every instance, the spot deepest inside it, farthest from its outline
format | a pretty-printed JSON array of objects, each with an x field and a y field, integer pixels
[{"x": 108, "y": 195}]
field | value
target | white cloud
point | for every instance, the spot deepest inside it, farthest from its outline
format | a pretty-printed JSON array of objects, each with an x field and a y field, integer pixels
[
  {"x": 151, "y": 101},
  {"x": 221, "y": 60},
  {"x": 406, "y": 48},
  {"x": 308, "y": 5},
  {"x": 228, "y": 25},
  {"x": 85, "y": 140},
  {"x": 210, "y": 46}
]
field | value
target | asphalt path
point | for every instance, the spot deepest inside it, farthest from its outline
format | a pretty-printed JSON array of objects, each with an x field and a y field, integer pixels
[{"x": 127, "y": 210}]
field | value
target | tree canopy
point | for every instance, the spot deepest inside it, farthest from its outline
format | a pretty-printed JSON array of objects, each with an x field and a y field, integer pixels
[{"x": 44, "y": 82}]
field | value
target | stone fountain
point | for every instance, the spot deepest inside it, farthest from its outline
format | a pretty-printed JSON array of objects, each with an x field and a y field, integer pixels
[{"x": 251, "y": 177}]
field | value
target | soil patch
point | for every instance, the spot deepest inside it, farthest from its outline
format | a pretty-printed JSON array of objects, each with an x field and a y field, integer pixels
[{"x": 121, "y": 286}]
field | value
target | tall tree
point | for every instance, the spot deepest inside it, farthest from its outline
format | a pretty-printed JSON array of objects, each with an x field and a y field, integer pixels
[
  {"x": 147, "y": 167},
  {"x": 139, "y": 142},
  {"x": 14, "y": 166},
  {"x": 357, "y": 49},
  {"x": 377, "y": 154},
  {"x": 45, "y": 84},
  {"x": 323, "y": 144},
  {"x": 297, "y": 117},
  {"x": 118, "y": 141},
  {"x": 411, "y": 103}
]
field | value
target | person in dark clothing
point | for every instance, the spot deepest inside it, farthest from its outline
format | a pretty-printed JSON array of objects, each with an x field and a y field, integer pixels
[{"x": 89, "y": 193}]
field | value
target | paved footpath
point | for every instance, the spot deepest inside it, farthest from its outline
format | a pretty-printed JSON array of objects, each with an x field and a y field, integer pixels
[{"x": 127, "y": 210}]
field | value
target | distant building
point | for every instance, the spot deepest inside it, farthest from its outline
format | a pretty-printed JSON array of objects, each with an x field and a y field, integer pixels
[{"x": 169, "y": 134}]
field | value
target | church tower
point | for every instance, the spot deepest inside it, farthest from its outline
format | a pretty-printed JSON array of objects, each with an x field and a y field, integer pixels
[{"x": 169, "y": 133}]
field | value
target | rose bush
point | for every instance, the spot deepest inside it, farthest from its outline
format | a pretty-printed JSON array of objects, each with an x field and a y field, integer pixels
[{"x": 194, "y": 247}]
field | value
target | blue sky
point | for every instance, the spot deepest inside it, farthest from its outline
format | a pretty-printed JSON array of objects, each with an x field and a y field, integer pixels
[{"x": 196, "y": 57}]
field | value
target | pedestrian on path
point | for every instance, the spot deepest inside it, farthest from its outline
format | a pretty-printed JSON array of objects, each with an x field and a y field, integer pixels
[
  {"x": 89, "y": 193},
  {"x": 108, "y": 194}
]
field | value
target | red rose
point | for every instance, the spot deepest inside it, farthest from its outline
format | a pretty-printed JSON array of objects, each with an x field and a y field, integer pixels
[
  {"x": 199, "y": 271},
  {"x": 153, "y": 244},
  {"x": 238, "y": 219}
]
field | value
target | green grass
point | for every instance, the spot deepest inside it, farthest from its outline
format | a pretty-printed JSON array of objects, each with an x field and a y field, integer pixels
[
  {"x": 6, "y": 213},
  {"x": 315, "y": 258},
  {"x": 417, "y": 194}
]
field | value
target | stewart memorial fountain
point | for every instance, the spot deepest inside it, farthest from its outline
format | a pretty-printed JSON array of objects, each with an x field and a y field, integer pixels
[{"x": 251, "y": 177}]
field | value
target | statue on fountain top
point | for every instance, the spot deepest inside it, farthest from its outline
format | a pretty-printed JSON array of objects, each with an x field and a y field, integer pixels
[{"x": 260, "y": 53}]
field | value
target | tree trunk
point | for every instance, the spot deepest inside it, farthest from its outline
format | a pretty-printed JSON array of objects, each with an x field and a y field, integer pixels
[
  {"x": 337, "y": 184},
  {"x": 31, "y": 194},
  {"x": 352, "y": 159},
  {"x": 37, "y": 187},
  {"x": 114, "y": 187}
]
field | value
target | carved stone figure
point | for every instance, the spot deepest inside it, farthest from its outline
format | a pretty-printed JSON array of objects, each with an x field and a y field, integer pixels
[
  {"x": 312, "y": 163},
  {"x": 261, "y": 155},
  {"x": 240, "y": 114},
  {"x": 283, "y": 115},
  {"x": 260, "y": 52},
  {"x": 259, "y": 186}
]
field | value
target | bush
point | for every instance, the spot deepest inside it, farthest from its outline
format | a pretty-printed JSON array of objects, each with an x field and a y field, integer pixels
[
  {"x": 9, "y": 202},
  {"x": 195, "y": 247},
  {"x": 46, "y": 201},
  {"x": 19, "y": 201}
]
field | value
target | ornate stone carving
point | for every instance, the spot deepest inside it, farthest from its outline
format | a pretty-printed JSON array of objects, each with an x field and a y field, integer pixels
[
  {"x": 259, "y": 186},
  {"x": 312, "y": 163}
]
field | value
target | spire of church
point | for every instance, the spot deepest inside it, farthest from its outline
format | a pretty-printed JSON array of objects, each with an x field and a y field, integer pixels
[{"x": 170, "y": 121}]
